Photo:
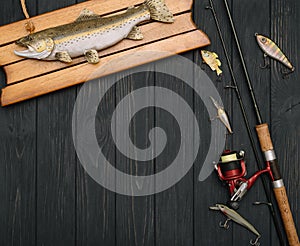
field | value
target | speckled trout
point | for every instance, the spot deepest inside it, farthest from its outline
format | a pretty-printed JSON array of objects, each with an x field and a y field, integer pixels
[{"x": 90, "y": 33}]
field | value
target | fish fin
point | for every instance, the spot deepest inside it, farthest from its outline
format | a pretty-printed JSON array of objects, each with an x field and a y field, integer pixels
[
  {"x": 215, "y": 54},
  {"x": 63, "y": 56},
  {"x": 218, "y": 62},
  {"x": 212, "y": 67},
  {"x": 135, "y": 34},
  {"x": 159, "y": 11},
  {"x": 92, "y": 56},
  {"x": 87, "y": 14}
]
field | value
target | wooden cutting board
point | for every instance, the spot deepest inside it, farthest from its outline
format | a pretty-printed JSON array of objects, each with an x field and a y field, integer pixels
[{"x": 28, "y": 78}]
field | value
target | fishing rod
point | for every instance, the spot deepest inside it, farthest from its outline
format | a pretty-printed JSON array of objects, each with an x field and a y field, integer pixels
[
  {"x": 247, "y": 124},
  {"x": 268, "y": 151}
]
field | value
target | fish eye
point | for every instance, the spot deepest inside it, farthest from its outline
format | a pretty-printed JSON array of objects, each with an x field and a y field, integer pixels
[{"x": 263, "y": 40}]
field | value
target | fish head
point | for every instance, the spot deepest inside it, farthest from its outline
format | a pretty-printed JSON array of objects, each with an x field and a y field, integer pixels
[
  {"x": 221, "y": 207},
  {"x": 262, "y": 40},
  {"x": 38, "y": 46},
  {"x": 205, "y": 53},
  {"x": 218, "y": 206}
]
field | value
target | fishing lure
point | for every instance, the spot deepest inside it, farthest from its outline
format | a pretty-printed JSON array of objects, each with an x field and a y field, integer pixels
[
  {"x": 221, "y": 115},
  {"x": 211, "y": 59},
  {"x": 90, "y": 33},
  {"x": 236, "y": 217},
  {"x": 271, "y": 49}
]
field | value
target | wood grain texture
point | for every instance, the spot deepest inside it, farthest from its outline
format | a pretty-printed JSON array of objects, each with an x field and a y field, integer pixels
[
  {"x": 155, "y": 33},
  {"x": 286, "y": 215},
  {"x": 135, "y": 215},
  {"x": 48, "y": 198},
  {"x": 83, "y": 72},
  {"x": 17, "y": 161},
  {"x": 212, "y": 190},
  {"x": 284, "y": 99},
  {"x": 56, "y": 170},
  {"x": 152, "y": 32},
  {"x": 246, "y": 27},
  {"x": 65, "y": 15},
  {"x": 7, "y": 55},
  {"x": 95, "y": 206},
  {"x": 55, "y": 204},
  {"x": 174, "y": 207},
  {"x": 18, "y": 179}
]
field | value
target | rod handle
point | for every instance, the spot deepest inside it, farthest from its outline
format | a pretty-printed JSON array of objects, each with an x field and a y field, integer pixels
[
  {"x": 264, "y": 137},
  {"x": 267, "y": 148},
  {"x": 286, "y": 215}
]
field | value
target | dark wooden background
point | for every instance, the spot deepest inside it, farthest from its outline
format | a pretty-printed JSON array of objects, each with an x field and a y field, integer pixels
[{"x": 46, "y": 198}]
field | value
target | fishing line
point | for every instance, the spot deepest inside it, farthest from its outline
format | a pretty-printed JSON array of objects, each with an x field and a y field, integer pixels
[
  {"x": 245, "y": 117},
  {"x": 29, "y": 26}
]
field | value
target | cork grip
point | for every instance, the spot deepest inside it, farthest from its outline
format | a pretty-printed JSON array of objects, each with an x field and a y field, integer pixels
[
  {"x": 264, "y": 137},
  {"x": 286, "y": 215}
]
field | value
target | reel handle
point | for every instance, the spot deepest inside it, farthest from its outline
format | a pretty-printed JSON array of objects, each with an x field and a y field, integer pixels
[{"x": 278, "y": 185}]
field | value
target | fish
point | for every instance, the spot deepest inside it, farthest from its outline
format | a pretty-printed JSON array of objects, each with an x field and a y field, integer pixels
[
  {"x": 271, "y": 49},
  {"x": 221, "y": 115},
  {"x": 236, "y": 217},
  {"x": 90, "y": 33},
  {"x": 211, "y": 59}
]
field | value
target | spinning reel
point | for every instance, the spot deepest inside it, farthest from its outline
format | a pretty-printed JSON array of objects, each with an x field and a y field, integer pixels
[{"x": 232, "y": 169}]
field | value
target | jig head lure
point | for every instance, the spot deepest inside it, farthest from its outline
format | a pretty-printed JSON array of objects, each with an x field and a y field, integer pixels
[{"x": 272, "y": 50}]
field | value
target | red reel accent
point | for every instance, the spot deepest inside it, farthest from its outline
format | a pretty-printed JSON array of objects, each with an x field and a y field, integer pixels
[{"x": 233, "y": 174}]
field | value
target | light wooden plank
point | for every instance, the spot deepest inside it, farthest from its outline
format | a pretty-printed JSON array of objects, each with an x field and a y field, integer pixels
[
  {"x": 66, "y": 15},
  {"x": 110, "y": 64},
  {"x": 7, "y": 55},
  {"x": 29, "y": 68}
]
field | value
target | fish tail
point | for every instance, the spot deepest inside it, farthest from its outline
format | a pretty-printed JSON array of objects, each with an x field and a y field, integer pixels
[
  {"x": 159, "y": 11},
  {"x": 219, "y": 71}
]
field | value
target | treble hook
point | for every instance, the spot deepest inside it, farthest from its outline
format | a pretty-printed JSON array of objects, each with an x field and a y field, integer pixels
[
  {"x": 286, "y": 73},
  {"x": 225, "y": 224},
  {"x": 266, "y": 63},
  {"x": 255, "y": 243}
]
